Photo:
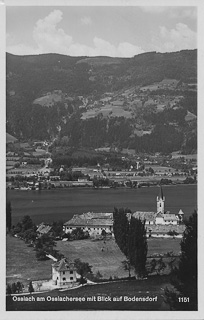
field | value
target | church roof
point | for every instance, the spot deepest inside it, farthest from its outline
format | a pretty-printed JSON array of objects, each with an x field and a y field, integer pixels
[
  {"x": 159, "y": 215},
  {"x": 169, "y": 217},
  {"x": 161, "y": 195}
]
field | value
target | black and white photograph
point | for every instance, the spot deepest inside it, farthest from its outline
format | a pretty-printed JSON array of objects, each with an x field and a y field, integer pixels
[{"x": 101, "y": 172}]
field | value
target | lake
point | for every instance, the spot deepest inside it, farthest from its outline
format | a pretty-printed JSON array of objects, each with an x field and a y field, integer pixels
[{"x": 62, "y": 204}]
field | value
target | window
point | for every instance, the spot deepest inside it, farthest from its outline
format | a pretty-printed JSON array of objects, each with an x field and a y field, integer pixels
[
  {"x": 64, "y": 279},
  {"x": 71, "y": 278},
  {"x": 71, "y": 272},
  {"x": 63, "y": 272}
]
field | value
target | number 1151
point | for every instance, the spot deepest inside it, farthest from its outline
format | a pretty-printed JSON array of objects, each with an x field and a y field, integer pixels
[{"x": 183, "y": 299}]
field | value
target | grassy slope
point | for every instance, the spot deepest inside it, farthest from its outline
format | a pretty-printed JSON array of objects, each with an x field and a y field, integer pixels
[{"x": 22, "y": 264}]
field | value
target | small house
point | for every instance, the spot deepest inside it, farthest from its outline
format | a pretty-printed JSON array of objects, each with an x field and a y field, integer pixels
[{"x": 63, "y": 273}]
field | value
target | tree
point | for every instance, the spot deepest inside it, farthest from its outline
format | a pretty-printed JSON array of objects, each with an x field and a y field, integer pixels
[
  {"x": 127, "y": 267},
  {"x": 103, "y": 233},
  {"x": 26, "y": 223},
  {"x": 153, "y": 265},
  {"x": 45, "y": 245},
  {"x": 57, "y": 228},
  {"x": 137, "y": 244},
  {"x": 19, "y": 286},
  {"x": 30, "y": 287},
  {"x": 79, "y": 234},
  {"x": 184, "y": 277},
  {"x": 121, "y": 229},
  {"x": 8, "y": 289},
  {"x": 160, "y": 266},
  {"x": 130, "y": 236},
  {"x": 13, "y": 287},
  {"x": 98, "y": 275},
  {"x": 8, "y": 215},
  {"x": 82, "y": 268}
]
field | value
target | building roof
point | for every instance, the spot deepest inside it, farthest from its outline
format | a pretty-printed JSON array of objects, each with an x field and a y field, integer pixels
[
  {"x": 91, "y": 219},
  {"x": 181, "y": 212},
  {"x": 158, "y": 228},
  {"x": 63, "y": 265},
  {"x": 43, "y": 229},
  {"x": 159, "y": 215},
  {"x": 10, "y": 138},
  {"x": 150, "y": 216},
  {"x": 168, "y": 217}
]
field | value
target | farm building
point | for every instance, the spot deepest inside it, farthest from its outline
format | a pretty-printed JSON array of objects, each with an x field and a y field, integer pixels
[{"x": 92, "y": 222}]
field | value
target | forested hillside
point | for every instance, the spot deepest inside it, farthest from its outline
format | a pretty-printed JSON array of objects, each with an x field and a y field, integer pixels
[{"x": 141, "y": 103}]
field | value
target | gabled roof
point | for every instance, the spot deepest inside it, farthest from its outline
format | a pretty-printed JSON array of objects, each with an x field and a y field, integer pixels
[{"x": 63, "y": 265}]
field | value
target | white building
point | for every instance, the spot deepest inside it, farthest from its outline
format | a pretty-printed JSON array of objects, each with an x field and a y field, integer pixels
[
  {"x": 63, "y": 272},
  {"x": 92, "y": 222}
]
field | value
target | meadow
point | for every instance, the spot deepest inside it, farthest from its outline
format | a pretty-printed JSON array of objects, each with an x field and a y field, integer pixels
[{"x": 22, "y": 265}]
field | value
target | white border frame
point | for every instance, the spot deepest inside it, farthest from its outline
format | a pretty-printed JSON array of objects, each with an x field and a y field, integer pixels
[{"x": 104, "y": 314}]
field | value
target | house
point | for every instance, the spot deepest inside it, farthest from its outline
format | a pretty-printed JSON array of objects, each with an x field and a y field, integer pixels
[{"x": 63, "y": 273}]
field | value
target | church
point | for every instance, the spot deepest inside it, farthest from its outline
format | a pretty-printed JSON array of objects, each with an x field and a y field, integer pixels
[
  {"x": 161, "y": 217},
  {"x": 158, "y": 223}
]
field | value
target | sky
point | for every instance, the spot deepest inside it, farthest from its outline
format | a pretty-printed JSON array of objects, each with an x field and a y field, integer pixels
[{"x": 116, "y": 31}]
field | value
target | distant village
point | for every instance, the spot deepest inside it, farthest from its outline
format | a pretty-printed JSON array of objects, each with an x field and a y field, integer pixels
[{"x": 29, "y": 166}]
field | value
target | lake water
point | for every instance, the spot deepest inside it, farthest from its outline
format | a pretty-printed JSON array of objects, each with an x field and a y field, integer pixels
[{"x": 62, "y": 204}]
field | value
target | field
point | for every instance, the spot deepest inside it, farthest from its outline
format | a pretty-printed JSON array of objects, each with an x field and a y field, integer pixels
[
  {"x": 22, "y": 264},
  {"x": 106, "y": 257},
  {"x": 108, "y": 110},
  {"x": 52, "y": 205}
]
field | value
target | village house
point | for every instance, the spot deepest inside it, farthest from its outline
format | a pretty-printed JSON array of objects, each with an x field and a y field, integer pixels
[
  {"x": 63, "y": 273},
  {"x": 43, "y": 229}
]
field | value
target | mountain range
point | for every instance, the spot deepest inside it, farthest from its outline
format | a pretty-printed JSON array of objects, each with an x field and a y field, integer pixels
[{"x": 148, "y": 102}]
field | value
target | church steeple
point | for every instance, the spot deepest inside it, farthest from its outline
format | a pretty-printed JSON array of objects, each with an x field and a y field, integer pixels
[
  {"x": 161, "y": 193},
  {"x": 160, "y": 201}
]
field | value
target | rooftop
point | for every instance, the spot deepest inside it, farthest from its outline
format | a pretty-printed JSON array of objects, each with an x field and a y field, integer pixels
[{"x": 63, "y": 265}]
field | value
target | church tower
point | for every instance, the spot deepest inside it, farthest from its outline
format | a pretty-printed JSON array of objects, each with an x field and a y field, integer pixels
[{"x": 160, "y": 202}]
